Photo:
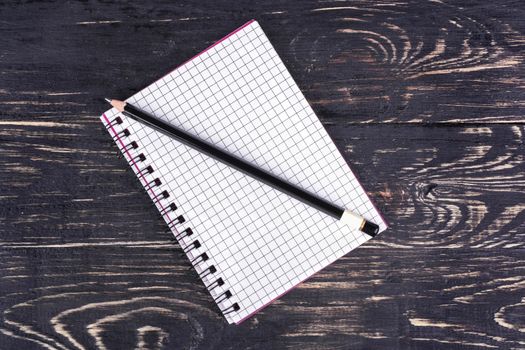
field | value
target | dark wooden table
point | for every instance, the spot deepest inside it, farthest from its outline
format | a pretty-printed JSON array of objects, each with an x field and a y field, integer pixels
[{"x": 424, "y": 98}]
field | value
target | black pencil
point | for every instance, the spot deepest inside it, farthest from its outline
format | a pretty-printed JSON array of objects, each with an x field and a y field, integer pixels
[{"x": 350, "y": 218}]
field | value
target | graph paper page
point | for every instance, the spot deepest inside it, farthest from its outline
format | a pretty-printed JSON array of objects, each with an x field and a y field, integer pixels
[{"x": 239, "y": 96}]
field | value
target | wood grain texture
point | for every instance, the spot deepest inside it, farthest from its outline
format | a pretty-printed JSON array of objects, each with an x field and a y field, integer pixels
[{"x": 425, "y": 99}]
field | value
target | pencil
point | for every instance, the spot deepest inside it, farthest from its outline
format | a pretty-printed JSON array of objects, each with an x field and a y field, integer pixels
[{"x": 347, "y": 217}]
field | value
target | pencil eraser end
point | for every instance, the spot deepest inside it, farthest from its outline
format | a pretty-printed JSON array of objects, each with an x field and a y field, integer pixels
[{"x": 370, "y": 228}]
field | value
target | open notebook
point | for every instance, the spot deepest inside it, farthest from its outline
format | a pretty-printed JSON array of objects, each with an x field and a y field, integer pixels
[{"x": 249, "y": 242}]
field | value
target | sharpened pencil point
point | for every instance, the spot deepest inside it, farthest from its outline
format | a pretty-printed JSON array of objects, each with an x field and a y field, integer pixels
[
  {"x": 119, "y": 105},
  {"x": 107, "y": 100}
]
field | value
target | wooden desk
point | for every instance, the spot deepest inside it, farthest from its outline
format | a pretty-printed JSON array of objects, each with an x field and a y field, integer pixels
[{"x": 424, "y": 99}]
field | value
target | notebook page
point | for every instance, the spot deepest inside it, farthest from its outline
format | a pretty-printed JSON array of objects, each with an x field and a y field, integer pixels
[{"x": 239, "y": 96}]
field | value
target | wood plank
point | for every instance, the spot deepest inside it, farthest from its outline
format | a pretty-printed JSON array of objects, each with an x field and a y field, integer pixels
[
  {"x": 448, "y": 186},
  {"x": 400, "y": 62},
  {"x": 424, "y": 99},
  {"x": 403, "y": 298}
]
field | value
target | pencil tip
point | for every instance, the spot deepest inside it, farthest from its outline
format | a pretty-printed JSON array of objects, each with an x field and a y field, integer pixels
[{"x": 107, "y": 100}]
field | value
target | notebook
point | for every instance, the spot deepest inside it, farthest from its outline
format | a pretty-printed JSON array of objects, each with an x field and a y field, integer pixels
[{"x": 248, "y": 242}]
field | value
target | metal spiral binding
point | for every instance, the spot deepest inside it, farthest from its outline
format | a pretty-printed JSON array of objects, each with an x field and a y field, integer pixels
[
  {"x": 217, "y": 283},
  {"x": 116, "y": 121},
  {"x": 195, "y": 245},
  {"x": 154, "y": 185},
  {"x": 178, "y": 220},
  {"x": 140, "y": 158},
  {"x": 186, "y": 233},
  {"x": 200, "y": 258},
  {"x": 171, "y": 207},
  {"x": 223, "y": 296},
  {"x": 234, "y": 308}
]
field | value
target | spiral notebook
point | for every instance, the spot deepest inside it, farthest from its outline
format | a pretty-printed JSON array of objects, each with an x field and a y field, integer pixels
[{"x": 248, "y": 242}]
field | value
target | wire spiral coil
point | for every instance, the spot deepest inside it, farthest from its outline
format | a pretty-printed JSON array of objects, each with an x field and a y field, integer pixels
[{"x": 152, "y": 185}]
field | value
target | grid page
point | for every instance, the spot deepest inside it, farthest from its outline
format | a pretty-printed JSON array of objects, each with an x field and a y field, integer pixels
[{"x": 239, "y": 96}]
